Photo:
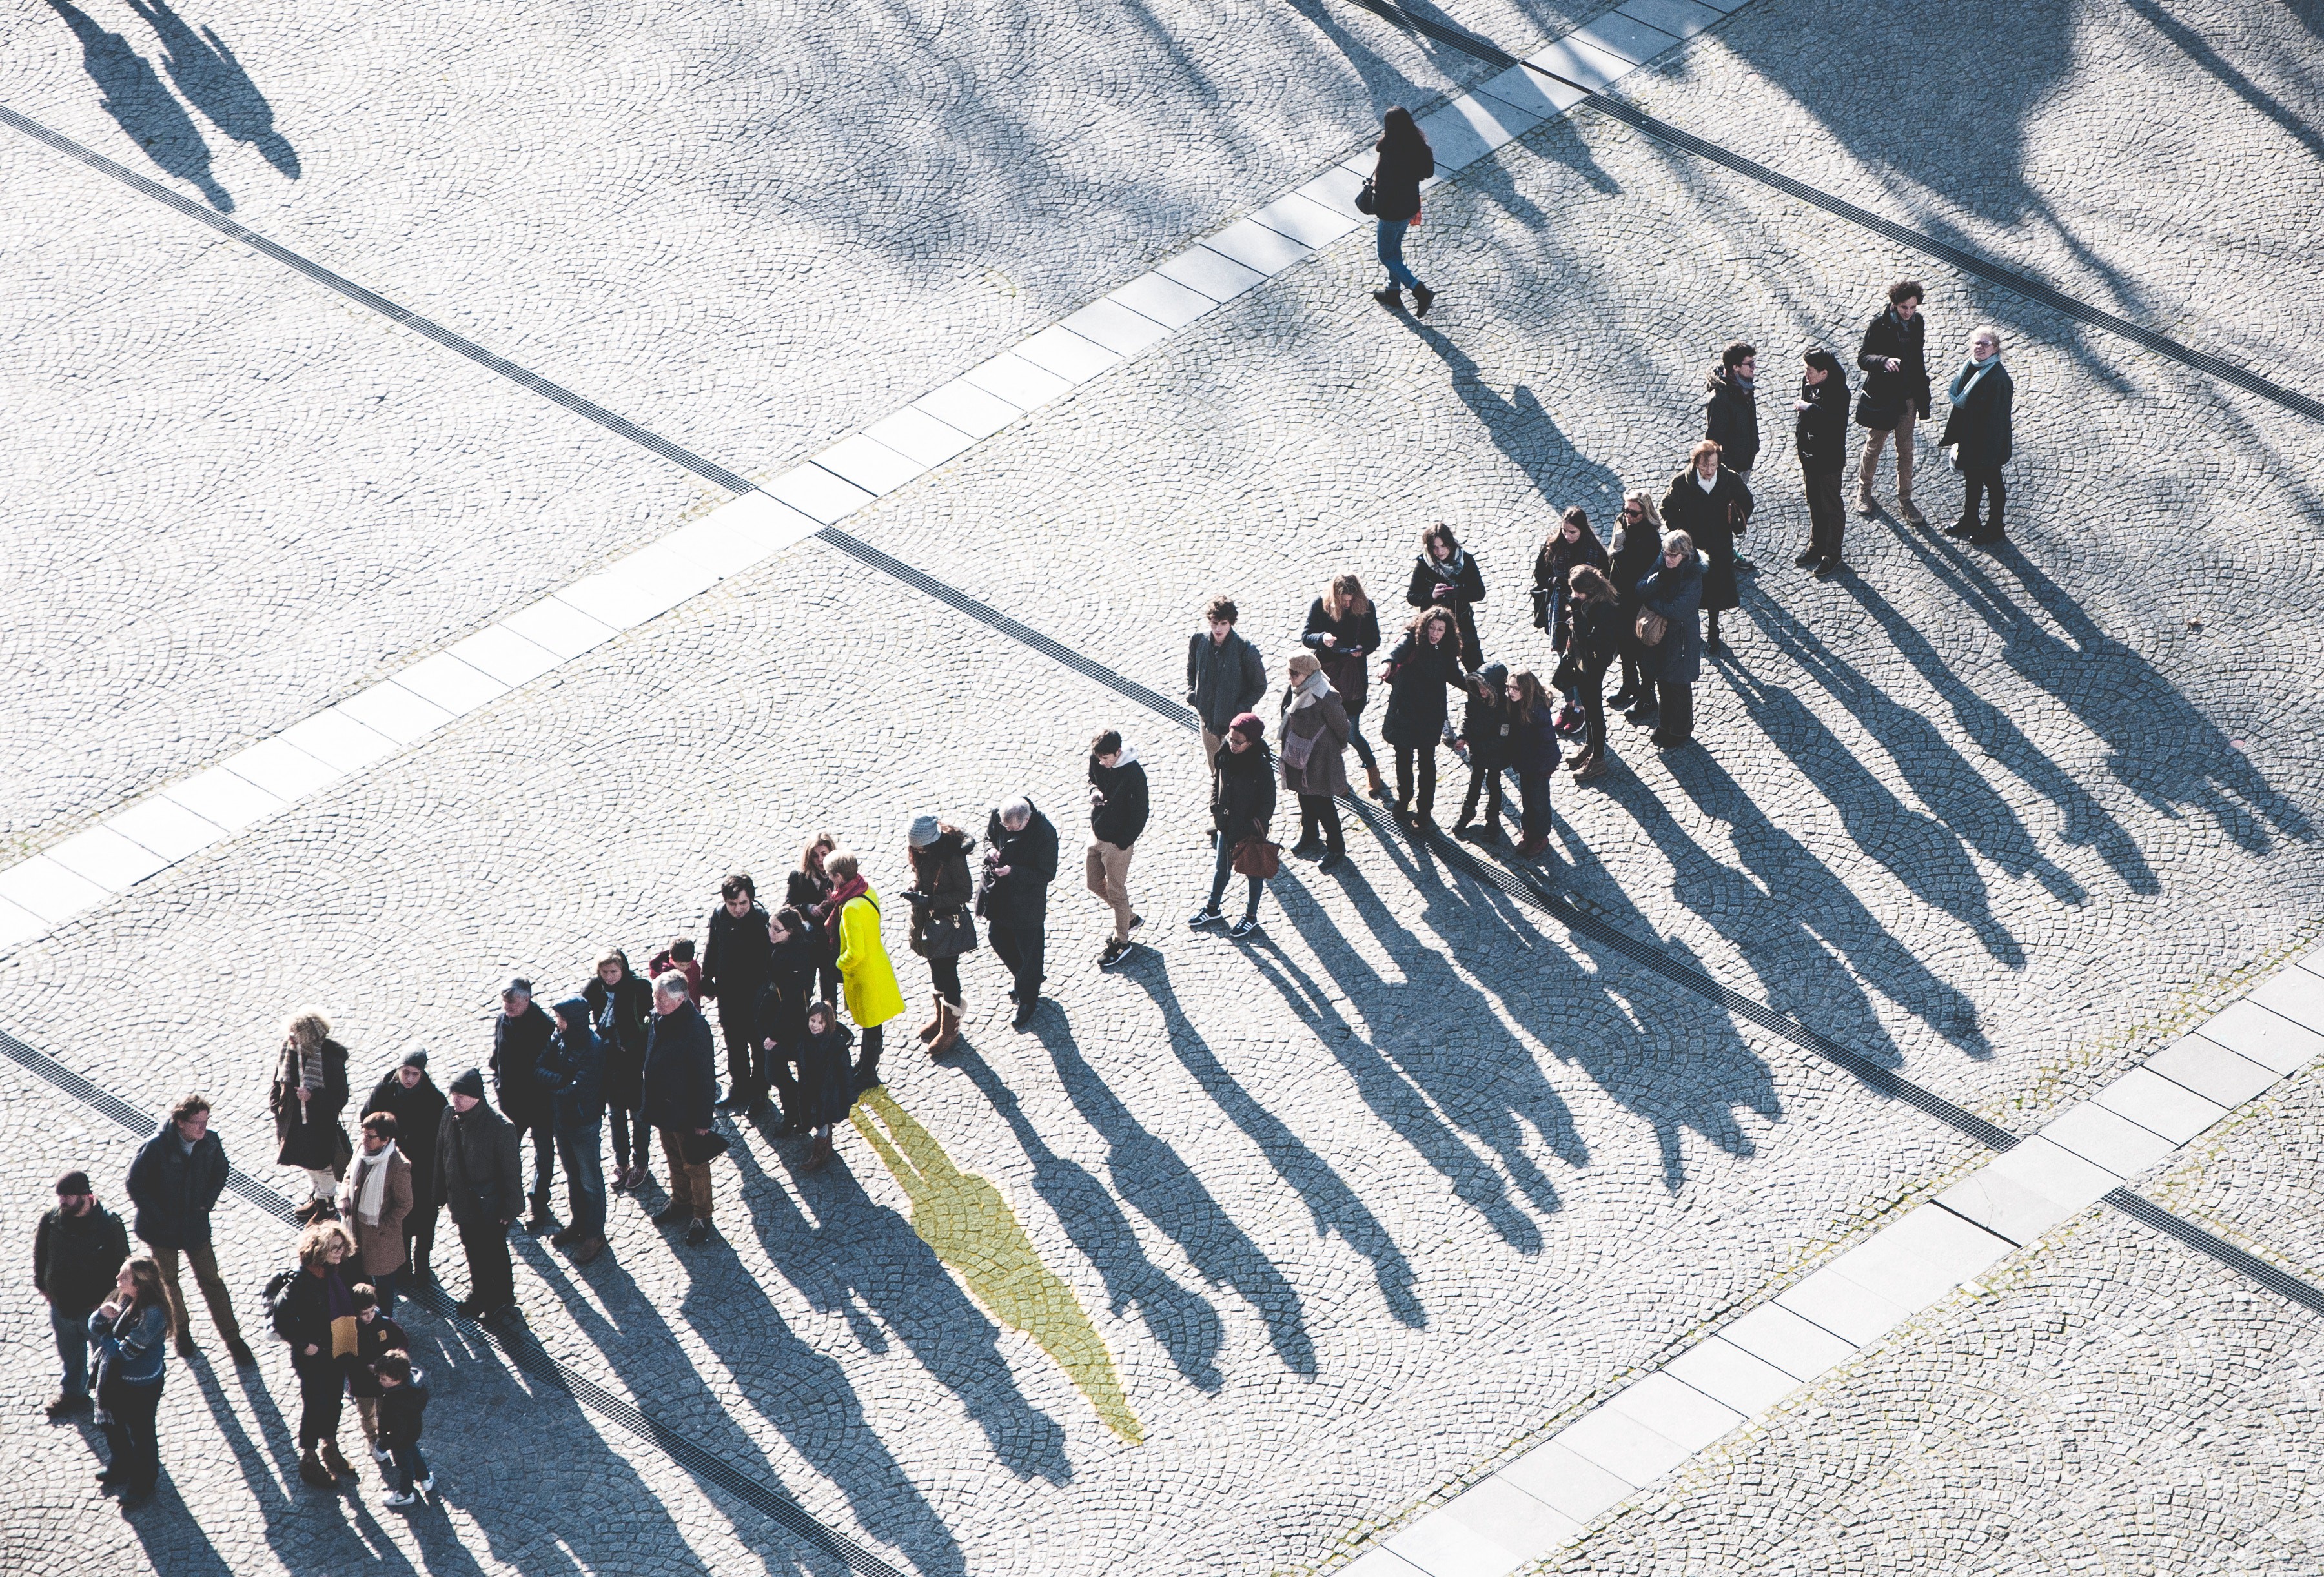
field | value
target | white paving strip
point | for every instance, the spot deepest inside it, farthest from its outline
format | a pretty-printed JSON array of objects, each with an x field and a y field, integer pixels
[
  {"x": 125, "y": 848},
  {"x": 1548, "y": 1497}
]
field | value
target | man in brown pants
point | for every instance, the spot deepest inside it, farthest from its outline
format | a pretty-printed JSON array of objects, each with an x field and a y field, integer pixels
[
  {"x": 1895, "y": 394},
  {"x": 175, "y": 1181}
]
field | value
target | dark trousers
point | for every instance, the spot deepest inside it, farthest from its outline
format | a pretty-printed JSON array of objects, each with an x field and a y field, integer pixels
[
  {"x": 867, "y": 1064},
  {"x": 1592, "y": 691},
  {"x": 1363, "y": 746},
  {"x": 410, "y": 1467},
  {"x": 544, "y": 1156},
  {"x": 1020, "y": 949},
  {"x": 491, "y": 1278},
  {"x": 1533, "y": 793},
  {"x": 132, "y": 1437},
  {"x": 1225, "y": 869},
  {"x": 746, "y": 1068},
  {"x": 781, "y": 1065},
  {"x": 1826, "y": 513},
  {"x": 1983, "y": 482},
  {"x": 1489, "y": 780},
  {"x": 214, "y": 1291},
  {"x": 418, "y": 1240},
  {"x": 322, "y": 1388},
  {"x": 1677, "y": 709},
  {"x": 944, "y": 974},
  {"x": 1319, "y": 813},
  {"x": 1427, "y": 771},
  {"x": 630, "y": 1132},
  {"x": 581, "y": 1149}
]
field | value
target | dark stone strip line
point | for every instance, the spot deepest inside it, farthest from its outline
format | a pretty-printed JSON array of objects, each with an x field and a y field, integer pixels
[
  {"x": 2281, "y": 1282},
  {"x": 1969, "y": 263},
  {"x": 532, "y": 382},
  {"x": 521, "y": 1347}
]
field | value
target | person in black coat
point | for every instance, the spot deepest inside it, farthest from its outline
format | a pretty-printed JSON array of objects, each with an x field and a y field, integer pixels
[
  {"x": 1119, "y": 807},
  {"x": 681, "y": 1094},
  {"x": 1674, "y": 589},
  {"x": 1225, "y": 675},
  {"x": 1820, "y": 432},
  {"x": 1709, "y": 503},
  {"x": 572, "y": 1072},
  {"x": 1020, "y": 861},
  {"x": 942, "y": 930},
  {"x": 806, "y": 891},
  {"x": 77, "y": 1251},
  {"x": 309, "y": 1091},
  {"x": 479, "y": 1177},
  {"x": 1597, "y": 638},
  {"x": 622, "y": 1007},
  {"x": 1343, "y": 631},
  {"x": 1895, "y": 393},
  {"x": 1446, "y": 576},
  {"x": 1571, "y": 543},
  {"x": 1487, "y": 726},
  {"x": 1730, "y": 407},
  {"x": 734, "y": 968},
  {"x": 1424, "y": 665},
  {"x": 783, "y": 1000},
  {"x": 410, "y": 1096},
  {"x": 826, "y": 1087},
  {"x": 519, "y": 1034},
  {"x": 1638, "y": 544},
  {"x": 1405, "y": 160},
  {"x": 175, "y": 1181},
  {"x": 1242, "y": 802},
  {"x": 1980, "y": 423}
]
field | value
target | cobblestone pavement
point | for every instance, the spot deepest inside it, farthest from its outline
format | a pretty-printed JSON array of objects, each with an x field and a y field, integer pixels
[{"x": 1358, "y": 1206}]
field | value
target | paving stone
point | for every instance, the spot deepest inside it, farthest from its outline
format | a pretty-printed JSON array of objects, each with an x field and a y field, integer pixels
[{"x": 2211, "y": 1071}]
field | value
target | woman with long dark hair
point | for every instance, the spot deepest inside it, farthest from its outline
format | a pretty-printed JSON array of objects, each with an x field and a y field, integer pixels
[
  {"x": 1571, "y": 545},
  {"x": 1532, "y": 752},
  {"x": 1637, "y": 548},
  {"x": 1405, "y": 160},
  {"x": 1424, "y": 665},
  {"x": 1596, "y": 637},
  {"x": 1446, "y": 575},
  {"x": 1342, "y": 631}
]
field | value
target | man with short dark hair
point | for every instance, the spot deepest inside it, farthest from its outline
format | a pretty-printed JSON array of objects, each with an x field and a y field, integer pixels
[
  {"x": 1895, "y": 394},
  {"x": 1118, "y": 808},
  {"x": 479, "y": 1179},
  {"x": 1730, "y": 417},
  {"x": 1224, "y": 676},
  {"x": 734, "y": 962},
  {"x": 77, "y": 1251},
  {"x": 174, "y": 1182},
  {"x": 680, "y": 1088},
  {"x": 519, "y": 1034}
]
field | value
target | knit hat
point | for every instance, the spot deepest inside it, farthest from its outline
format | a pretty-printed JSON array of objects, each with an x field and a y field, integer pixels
[
  {"x": 923, "y": 831},
  {"x": 1249, "y": 725},
  {"x": 470, "y": 1083},
  {"x": 74, "y": 1183},
  {"x": 417, "y": 1057}
]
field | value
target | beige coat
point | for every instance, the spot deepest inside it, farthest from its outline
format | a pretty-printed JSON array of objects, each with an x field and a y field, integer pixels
[{"x": 378, "y": 1249}]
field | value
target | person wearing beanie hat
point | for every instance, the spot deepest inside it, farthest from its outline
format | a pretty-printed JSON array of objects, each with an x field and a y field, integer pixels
[
  {"x": 408, "y": 1095},
  {"x": 1488, "y": 731},
  {"x": 76, "y": 1251},
  {"x": 1242, "y": 801},
  {"x": 1118, "y": 808},
  {"x": 477, "y": 1178},
  {"x": 942, "y": 930}
]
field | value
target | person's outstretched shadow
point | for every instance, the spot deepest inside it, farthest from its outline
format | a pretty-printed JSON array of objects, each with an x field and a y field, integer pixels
[
  {"x": 143, "y": 109},
  {"x": 215, "y": 83}
]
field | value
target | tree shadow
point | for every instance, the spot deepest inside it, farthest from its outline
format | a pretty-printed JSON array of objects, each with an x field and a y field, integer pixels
[
  {"x": 1333, "y": 1206},
  {"x": 144, "y": 110},
  {"x": 1182, "y": 1322},
  {"x": 215, "y": 83}
]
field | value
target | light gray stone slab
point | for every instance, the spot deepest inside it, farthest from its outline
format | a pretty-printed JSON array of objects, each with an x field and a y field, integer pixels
[
  {"x": 556, "y": 625},
  {"x": 1455, "y": 142},
  {"x": 1727, "y": 7},
  {"x": 761, "y": 517},
  {"x": 19, "y": 924},
  {"x": 1334, "y": 191},
  {"x": 2296, "y": 993},
  {"x": 1531, "y": 92},
  {"x": 1382, "y": 1563},
  {"x": 104, "y": 857},
  {"x": 1726, "y": 1373},
  {"x": 2114, "y": 1141},
  {"x": 1622, "y": 1446},
  {"x": 823, "y": 496},
  {"x": 388, "y": 708},
  {"x": 1214, "y": 274},
  {"x": 337, "y": 740},
  {"x": 1517, "y": 1522},
  {"x": 1256, "y": 247},
  {"x": 1305, "y": 220},
  {"x": 163, "y": 826},
  {"x": 918, "y": 437},
  {"x": 1679, "y": 18},
  {"x": 2028, "y": 1189},
  {"x": 1443, "y": 1546},
  {"x": 1108, "y": 323},
  {"x": 1624, "y": 37},
  {"x": 1844, "y": 1307},
  {"x": 1566, "y": 1482},
  {"x": 2154, "y": 1101},
  {"x": 1164, "y": 300},
  {"x": 503, "y": 653},
  {"x": 1675, "y": 1410},
  {"x": 283, "y": 770},
  {"x": 445, "y": 681},
  {"x": 869, "y": 464},
  {"x": 975, "y": 412},
  {"x": 2211, "y": 1071},
  {"x": 718, "y": 544},
  {"x": 1790, "y": 1342},
  {"x": 1059, "y": 350},
  {"x": 1578, "y": 63},
  {"x": 1920, "y": 1257},
  {"x": 217, "y": 795},
  {"x": 1010, "y": 376},
  {"x": 2266, "y": 1036},
  {"x": 42, "y": 887}
]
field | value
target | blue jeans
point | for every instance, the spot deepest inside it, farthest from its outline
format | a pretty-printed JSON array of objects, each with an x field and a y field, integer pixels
[
  {"x": 1226, "y": 869},
  {"x": 583, "y": 1151},
  {"x": 409, "y": 1464},
  {"x": 71, "y": 1332},
  {"x": 1391, "y": 253}
]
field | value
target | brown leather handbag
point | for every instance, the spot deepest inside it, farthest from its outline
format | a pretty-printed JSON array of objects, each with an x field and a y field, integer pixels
[
  {"x": 1254, "y": 856},
  {"x": 1651, "y": 626}
]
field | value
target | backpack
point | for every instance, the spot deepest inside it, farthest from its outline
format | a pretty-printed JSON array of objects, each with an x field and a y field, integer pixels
[{"x": 276, "y": 1298}]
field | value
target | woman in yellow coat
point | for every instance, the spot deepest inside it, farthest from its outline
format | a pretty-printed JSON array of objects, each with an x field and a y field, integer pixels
[{"x": 866, "y": 979}]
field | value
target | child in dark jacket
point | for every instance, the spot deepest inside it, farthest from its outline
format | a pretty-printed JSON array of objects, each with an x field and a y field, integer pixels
[
  {"x": 1485, "y": 728},
  {"x": 376, "y": 1336},
  {"x": 402, "y": 1398},
  {"x": 827, "y": 1093}
]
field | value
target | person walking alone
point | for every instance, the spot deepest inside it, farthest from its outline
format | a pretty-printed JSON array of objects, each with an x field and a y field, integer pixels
[
  {"x": 572, "y": 1074},
  {"x": 1534, "y": 752},
  {"x": 310, "y": 1089},
  {"x": 175, "y": 1181},
  {"x": 76, "y": 1251},
  {"x": 1673, "y": 593},
  {"x": 1343, "y": 631},
  {"x": 681, "y": 1093},
  {"x": 1485, "y": 733},
  {"x": 1895, "y": 394},
  {"x": 1820, "y": 432},
  {"x": 1405, "y": 160},
  {"x": 1636, "y": 548},
  {"x": 1118, "y": 811},
  {"x": 1446, "y": 576},
  {"x": 1590, "y": 649},
  {"x": 1242, "y": 802},
  {"x": 621, "y": 1006},
  {"x": 409, "y": 1096},
  {"x": 1984, "y": 401},
  {"x": 1314, "y": 730},
  {"x": 1709, "y": 503},
  {"x": 1225, "y": 677},
  {"x": 733, "y": 969},
  {"x": 942, "y": 930},
  {"x": 519, "y": 1034},
  {"x": 866, "y": 976},
  {"x": 1424, "y": 665},
  {"x": 128, "y": 1331},
  {"x": 1020, "y": 861},
  {"x": 479, "y": 1179}
]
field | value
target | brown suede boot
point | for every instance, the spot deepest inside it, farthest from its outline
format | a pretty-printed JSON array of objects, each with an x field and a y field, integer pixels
[
  {"x": 1372, "y": 784},
  {"x": 934, "y": 1027},
  {"x": 339, "y": 1467},
  {"x": 948, "y": 1029},
  {"x": 820, "y": 1155}
]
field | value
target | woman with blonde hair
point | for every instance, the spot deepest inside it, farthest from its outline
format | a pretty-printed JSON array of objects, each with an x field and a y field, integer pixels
[
  {"x": 1342, "y": 631},
  {"x": 310, "y": 1091},
  {"x": 316, "y": 1314},
  {"x": 131, "y": 1332}
]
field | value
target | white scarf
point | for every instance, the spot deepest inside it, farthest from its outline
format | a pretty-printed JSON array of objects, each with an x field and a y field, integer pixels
[
  {"x": 369, "y": 1184},
  {"x": 1308, "y": 691}
]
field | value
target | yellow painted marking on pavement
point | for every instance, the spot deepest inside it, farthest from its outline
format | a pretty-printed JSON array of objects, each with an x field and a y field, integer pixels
[{"x": 965, "y": 1220}]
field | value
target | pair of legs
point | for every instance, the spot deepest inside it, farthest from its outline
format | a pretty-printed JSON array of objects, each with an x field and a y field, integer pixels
[
  {"x": 1981, "y": 484},
  {"x": 132, "y": 1437},
  {"x": 630, "y": 1132},
  {"x": 1533, "y": 794},
  {"x": 1225, "y": 869},
  {"x": 1873, "y": 441},
  {"x": 71, "y": 1333},
  {"x": 544, "y": 1158},
  {"x": 689, "y": 1181},
  {"x": 322, "y": 1390},
  {"x": 406, "y": 1467},
  {"x": 1677, "y": 713},
  {"x": 1827, "y": 518},
  {"x": 418, "y": 1242},
  {"x": 1486, "y": 781},
  {"x": 1422, "y": 759},
  {"x": 943, "y": 974},
  {"x": 214, "y": 1293},
  {"x": 1022, "y": 951},
  {"x": 1363, "y": 746},
  {"x": 491, "y": 1278},
  {"x": 1106, "y": 871},
  {"x": 1319, "y": 817},
  {"x": 1400, "y": 276},
  {"x": 582, "y": 1149},
  {"x": 1592, "y": 689},
  {"x": 867, "y": 1064},
  {"x": 746, "y": 1069}
]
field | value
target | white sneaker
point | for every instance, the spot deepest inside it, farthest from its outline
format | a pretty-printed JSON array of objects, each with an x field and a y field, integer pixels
[
  {"x": 402, "y": 1499},
  {"x": 381, "y": 1455},
  {"x": 427, "y": 1485}
]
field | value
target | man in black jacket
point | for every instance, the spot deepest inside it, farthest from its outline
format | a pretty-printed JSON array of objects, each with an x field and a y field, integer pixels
[
  {"x": 519, "y": 1034},
  {"x": 680, "y": 1084},
  {"x": 478, "y": 1175},
  {"x": 1224, "y": 676},
  {"x": 1984, "y": 399},
  {"x": 1020, "y": 861},
  {"x": 1820, "y": 431},
  {"x": 1117, "y": 815},
  {"x": 175, "y": 1181},
  {"x": 77, "y": 1251},
  {"x": 1895, "y": 394},
  {"x": 1730, "y": 416},
  {"x": 734, "y": 973}
]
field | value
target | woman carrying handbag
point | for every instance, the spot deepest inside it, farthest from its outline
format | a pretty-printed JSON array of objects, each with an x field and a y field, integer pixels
[
  {"x": 1242, "y": 802},
  {"x": 1314, "y": 732},
  {"x": 941, "y": 931}
]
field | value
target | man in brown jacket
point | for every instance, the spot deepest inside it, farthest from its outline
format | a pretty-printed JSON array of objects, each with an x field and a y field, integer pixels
[
  {"x": 373, "y": 1202},
  {"x": 477, "y": 1179}
]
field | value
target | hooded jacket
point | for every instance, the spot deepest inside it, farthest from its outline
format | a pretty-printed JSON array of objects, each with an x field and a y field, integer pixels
[
  {"x": 476, "y": 1175},
  {"x": 681, "y": 1077},
  {"x": 1119, "y": 815},
  {"x": 572, "y": 1070},
  {"x": 1487, "y": 725},
  {"x": 418, "y": 1112},
  {"x": 941, "y": 884},
  {"x": 734, "y": 958},
  {"x": 77, "y": 1258},
  {"x": 517, "y": 1046},
  {"x": 400, "y": 1410},
  {"x": 174, "y": 1191}
]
